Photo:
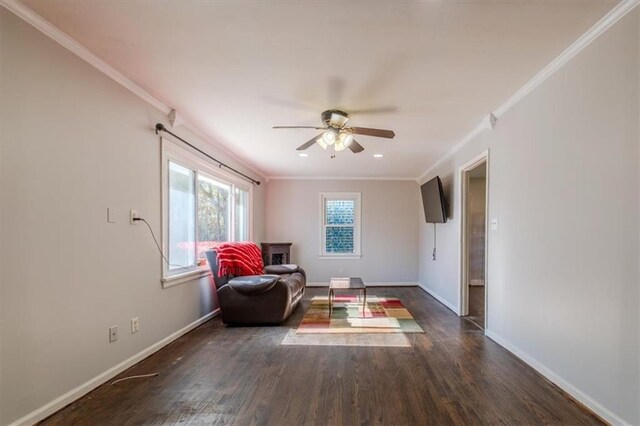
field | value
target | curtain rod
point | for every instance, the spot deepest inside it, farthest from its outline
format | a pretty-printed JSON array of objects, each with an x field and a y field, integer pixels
[{"x": 160, "y": 128}]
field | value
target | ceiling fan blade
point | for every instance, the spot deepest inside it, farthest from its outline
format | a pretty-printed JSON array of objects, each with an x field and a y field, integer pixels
[
  {"x": 355, "y": 147},
  {"x": 298, "y": 127},
  {"x": 379, "y": 133},
  {"x": 307, "y": 144}
]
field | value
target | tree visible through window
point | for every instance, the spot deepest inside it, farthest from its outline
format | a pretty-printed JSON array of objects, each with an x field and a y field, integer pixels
[
  {"x": 340, "y": 221},
  {"x": 214, "y": 213},
  {"x": 203, "y": 208}
]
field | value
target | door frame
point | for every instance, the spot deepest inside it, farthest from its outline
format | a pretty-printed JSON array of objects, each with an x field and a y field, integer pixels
[{"x": 463, "y": 186}]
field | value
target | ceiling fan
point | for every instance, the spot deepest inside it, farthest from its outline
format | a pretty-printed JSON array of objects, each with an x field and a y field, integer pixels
[{"x": 337, "y": 134}]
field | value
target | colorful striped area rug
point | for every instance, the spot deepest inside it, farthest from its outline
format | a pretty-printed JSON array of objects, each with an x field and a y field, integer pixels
[{"x": 381, "y": 315}]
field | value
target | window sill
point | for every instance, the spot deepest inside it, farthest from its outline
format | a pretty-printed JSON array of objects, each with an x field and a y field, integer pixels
[
  {"x": 184, "y": 277},
  {"x": 340, "y": 256}
]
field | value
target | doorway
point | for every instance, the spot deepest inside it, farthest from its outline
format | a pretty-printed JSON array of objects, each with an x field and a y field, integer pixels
[{"x": 474, "y": 241}]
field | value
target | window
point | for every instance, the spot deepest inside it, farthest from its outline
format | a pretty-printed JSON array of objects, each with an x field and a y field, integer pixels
[
  {"x": 340, "y": 219},
  {"x": 202, "y": 207}
]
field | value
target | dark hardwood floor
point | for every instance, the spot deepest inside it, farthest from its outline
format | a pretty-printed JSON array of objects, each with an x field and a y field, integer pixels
[
  {"x": 451, "y": 375},
  {"x": 476, "y": 305}
]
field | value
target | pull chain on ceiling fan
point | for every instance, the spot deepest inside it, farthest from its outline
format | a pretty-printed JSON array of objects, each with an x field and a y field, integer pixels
[{"x": 337, "y": 135}]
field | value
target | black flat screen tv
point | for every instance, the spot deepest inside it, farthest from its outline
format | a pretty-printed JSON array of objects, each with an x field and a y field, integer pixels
[{"x": 433, "y": 201}]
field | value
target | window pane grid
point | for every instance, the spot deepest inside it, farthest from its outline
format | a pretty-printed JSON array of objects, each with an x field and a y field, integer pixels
[
  {"x": 241, "y": 215},
  {"x": 339, "y": 212},
  {"x": 339, "y": 239},
  {"x": 214, "y": 214},
  {"x": 182, "y": 216},
  {"x": 201, "y": 211},
  {"x": 340, "y": 224}
]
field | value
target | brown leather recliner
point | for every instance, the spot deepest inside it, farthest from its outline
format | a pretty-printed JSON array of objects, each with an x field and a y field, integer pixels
[{"x": 258, "y": 299}]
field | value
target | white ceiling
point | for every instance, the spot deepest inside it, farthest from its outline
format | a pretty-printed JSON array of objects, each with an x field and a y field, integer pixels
[{"x": 429, "y": 70}]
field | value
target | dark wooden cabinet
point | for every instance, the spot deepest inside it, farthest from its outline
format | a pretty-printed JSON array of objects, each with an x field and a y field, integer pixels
[{"x": 276, "y": 253}]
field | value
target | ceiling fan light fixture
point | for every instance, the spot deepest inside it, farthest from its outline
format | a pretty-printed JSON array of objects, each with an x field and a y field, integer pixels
[
  {"x": 330, "y": 136},
  {"x": 320, "y": 141},
  {"x": 346, "y": 138},
  {"x": 338, "y": 120},
  {"x": 337, "y": 135}
]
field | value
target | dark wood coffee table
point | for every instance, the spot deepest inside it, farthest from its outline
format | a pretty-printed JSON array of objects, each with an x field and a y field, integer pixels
[{"x": 352, "y": 283}]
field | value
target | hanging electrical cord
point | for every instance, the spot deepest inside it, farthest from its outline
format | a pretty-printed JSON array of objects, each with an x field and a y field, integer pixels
[
  {"x": 153, "y": 235},
  {"x": 434, "y": 241}
]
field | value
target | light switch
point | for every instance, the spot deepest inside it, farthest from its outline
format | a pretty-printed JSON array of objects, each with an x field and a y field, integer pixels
[
  {"x": 494, "y": 224},
  {"x": 111, "y": 215}
]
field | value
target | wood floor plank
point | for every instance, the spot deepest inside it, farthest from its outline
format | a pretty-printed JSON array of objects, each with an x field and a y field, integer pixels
[{"x": 451, "y": 374}]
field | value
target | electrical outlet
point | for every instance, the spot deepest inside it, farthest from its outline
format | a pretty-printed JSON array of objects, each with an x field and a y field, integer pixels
[
  {"x": 135, "y": 325},
  {"x": 113, "y": 334},
  {"x": 132, "y": 215}
]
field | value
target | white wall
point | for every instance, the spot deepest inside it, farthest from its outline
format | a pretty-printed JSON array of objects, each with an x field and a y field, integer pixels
[
  {"x": 389, "y": 228},
  {"x": 563, "y": 286},
  {"x": 73, "y": 143},
  {"x": 563, "y": 278}
]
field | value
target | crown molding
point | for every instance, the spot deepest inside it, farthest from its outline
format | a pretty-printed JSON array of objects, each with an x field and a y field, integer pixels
[
  {"x": 59, "y": 36},
  {"x": 28, "y": 15},
  {"x": 613, "y": 16},
  {"x": 46, "y": 27},
  {"x": 599, "y": 28}
]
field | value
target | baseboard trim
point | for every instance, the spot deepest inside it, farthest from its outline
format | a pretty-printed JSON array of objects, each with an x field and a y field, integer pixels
[
  {"x": 371, "y": 284},
  {"x": 438, "y": 298},
  {"x": 69, "y": 397},
  {"x": 554, "y": 378}
]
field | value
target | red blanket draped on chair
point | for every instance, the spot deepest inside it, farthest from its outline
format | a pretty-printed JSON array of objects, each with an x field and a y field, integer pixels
[{"x": 239, "y": 259}]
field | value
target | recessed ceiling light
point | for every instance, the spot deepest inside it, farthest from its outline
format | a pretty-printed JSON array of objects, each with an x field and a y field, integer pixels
[
  {"x": 378, "y": 155},
  {"x": 303, "y": 154}
]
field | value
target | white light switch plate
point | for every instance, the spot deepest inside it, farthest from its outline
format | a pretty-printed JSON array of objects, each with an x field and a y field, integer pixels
[
  {"x": 111, "y": 215},
  {"x": 494, "y": 224}
]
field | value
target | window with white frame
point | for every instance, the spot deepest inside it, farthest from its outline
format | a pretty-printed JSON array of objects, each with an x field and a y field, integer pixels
[
  {"x": 202, "y": 206},
  {"x": 340, "y": 220}
]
